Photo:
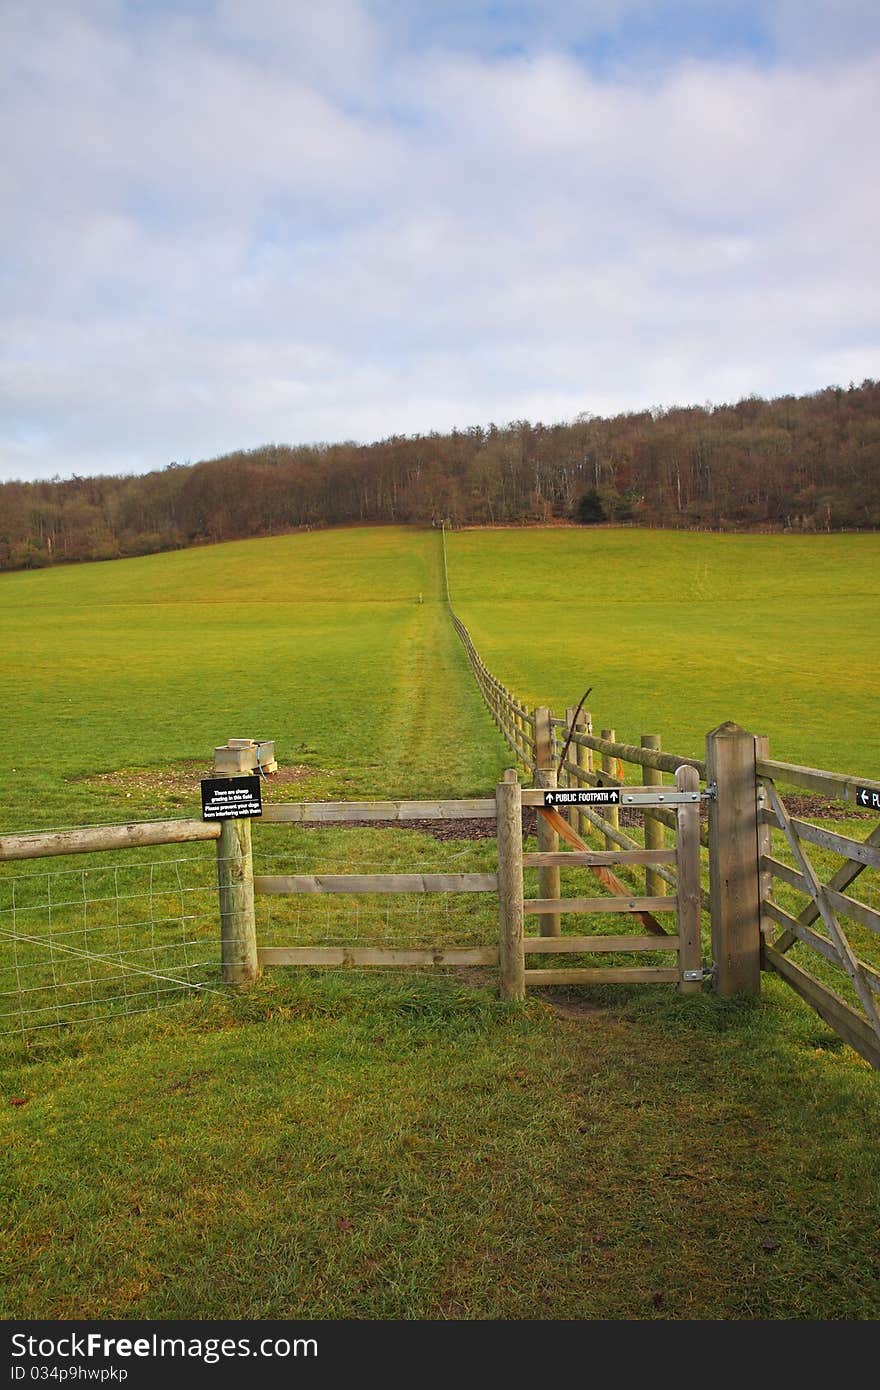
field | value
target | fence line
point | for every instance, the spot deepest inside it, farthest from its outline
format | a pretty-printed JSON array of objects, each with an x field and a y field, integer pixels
[
  {"x": 743, "y": 883},
  {"x": 517, "y": 726}
]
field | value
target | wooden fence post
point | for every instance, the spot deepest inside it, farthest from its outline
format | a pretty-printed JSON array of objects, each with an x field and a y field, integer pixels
[
  {"x": 654, "y": 837},
  {"x": 511, "y": 956},
  {"x": 585, "y": 761},
  {"x": 235, "y": 880},
  {"x": 610, "y": 813},
  {"x": 734, "y": 881},
  {"x": 548, "y": 840},
  {"x": 690, "y": 952},
  {"x": 571, "y": 756}
]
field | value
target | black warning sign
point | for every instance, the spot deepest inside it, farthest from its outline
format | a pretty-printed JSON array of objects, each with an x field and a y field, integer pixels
[{"x": 231, "y": 798}]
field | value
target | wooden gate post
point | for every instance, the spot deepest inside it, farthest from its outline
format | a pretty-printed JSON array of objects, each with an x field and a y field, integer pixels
[
  {"x": 235, "y": 881},
  {"x": 765, "y": 846},
  {"x": 690, "y": 953},
  {"x": 585, "y": 761},
  {"x": 734, "y": 877},
  {"x": 548, "y": 841},
  {"x": 511, "y": 956}
]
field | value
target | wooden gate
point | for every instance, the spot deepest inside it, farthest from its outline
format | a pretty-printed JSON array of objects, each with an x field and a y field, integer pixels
[
  {"x": 685, "y": 938},
  {"x": 833, "y": 925}
]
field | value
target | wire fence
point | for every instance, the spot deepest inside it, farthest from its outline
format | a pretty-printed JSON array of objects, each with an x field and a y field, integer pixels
[
  {"x": 373, "y": 919},
  {"x": 100, "y": 941}
]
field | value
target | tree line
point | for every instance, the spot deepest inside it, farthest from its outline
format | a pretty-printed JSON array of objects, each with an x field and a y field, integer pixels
[{"x": 800, "y": 463}]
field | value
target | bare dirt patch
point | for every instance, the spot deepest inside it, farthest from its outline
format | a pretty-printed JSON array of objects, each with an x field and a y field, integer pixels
[
  {"x": 183, "y": 778},
  {"x": 570, "y": 1006}
]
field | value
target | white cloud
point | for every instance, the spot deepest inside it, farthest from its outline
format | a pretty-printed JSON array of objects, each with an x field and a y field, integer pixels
[{"x": 235, "y": 226}]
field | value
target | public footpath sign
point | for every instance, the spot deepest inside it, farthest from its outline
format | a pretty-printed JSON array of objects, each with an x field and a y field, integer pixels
[
  {"x": 591, "y": 796},
  {"x": 867, "y": 797},
  {"x": 231, "y": 798}
]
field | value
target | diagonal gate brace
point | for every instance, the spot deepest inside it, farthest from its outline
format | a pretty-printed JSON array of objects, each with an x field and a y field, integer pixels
[{"x": 605, "y": 876}]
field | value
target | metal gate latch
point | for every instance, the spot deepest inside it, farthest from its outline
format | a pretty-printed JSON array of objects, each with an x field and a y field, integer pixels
[{"x": 688, "y": 975}]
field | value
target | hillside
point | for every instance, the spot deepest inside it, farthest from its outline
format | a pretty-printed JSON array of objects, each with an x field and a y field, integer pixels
[{"x": 807, "y": 463}]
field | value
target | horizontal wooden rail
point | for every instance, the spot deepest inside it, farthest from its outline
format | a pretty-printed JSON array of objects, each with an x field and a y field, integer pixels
[
  {"x": 793, "y": 877},
  {"x": 849, "y": 1025},
  {"x": 856, "y": 850},
  {"x": 837, "y": 785},
  {"x": 533, "y": 906},
  {"x": 593, "y": 779},
  {"x": 375, "y": 883},
  {"x": 565, "y": 859},
  {"x": 590, "y": 945},
  {"x": 377, "y": 955},
  {"x": 605, "y": 975},
  {"x": 135, "y": 835},
  {"x": 338, "y": 812},
  {"x": 634, "y": 753}
]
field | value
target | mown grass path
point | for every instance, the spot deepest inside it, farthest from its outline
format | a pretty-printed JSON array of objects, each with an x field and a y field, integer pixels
[{"x": 438, "y": 739}]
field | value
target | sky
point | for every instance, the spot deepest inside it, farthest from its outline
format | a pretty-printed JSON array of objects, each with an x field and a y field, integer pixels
[{"x": 226, "y": 224}]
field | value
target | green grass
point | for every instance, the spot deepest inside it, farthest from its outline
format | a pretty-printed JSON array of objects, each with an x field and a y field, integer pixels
[
  {"x": 678, "y": 631},
  {"x": 349, "y": 1146},
  {"x": 387, "y": 1145},
  {"x": 315, "y": 640}
]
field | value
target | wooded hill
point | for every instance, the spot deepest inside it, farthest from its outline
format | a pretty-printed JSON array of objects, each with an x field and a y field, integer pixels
[{"x": 803, "y": 463}]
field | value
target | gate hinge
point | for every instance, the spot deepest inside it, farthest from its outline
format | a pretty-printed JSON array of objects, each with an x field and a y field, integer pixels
[
  {"x": 689, "y": 975},
  {"x": 711, "y": 792}
]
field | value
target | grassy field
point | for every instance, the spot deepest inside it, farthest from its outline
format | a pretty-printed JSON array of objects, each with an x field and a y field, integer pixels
[
  {"x": 678, "y": 631},
  {"x": 315, "y": 640},
  {"x": 404, "y": 1146}
]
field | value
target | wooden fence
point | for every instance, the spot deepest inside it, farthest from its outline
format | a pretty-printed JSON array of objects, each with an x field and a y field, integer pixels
[
  {"x": 243, "y": 956},
  {"x": 746, "y": 792},
  {"x": 751, "y": 881}
]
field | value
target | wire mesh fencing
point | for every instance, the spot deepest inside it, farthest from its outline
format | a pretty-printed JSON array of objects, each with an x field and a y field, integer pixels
[
  {"x": 417, "y": 919},
  {"x": 101, "y": 940}
]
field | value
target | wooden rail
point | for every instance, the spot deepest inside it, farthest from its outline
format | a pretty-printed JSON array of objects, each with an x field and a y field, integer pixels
[
  {"x": 836, "y": 785},
  {"x": 376, "y": 883},
  {"x": 136, "y": 835},
  {"x": 341, "y": 812}
]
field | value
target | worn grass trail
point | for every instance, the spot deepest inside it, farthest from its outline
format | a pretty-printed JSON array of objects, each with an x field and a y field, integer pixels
[{"x": 438, "y": 735}]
